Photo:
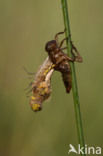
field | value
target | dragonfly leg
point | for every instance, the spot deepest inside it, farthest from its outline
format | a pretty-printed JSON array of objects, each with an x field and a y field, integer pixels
[
  {"x": 29, "y": 73},
  {"x": 30, "y": 84},
  {"x": 28, "y": 92}
]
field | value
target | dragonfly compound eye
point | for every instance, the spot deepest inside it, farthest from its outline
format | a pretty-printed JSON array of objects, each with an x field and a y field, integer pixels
[{"x": 36, "y": 107}]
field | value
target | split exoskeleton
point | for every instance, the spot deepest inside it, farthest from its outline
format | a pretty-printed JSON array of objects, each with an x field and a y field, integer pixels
[
  {"x": 61, "y": 60},
  {"x": 56, "y": 60}
]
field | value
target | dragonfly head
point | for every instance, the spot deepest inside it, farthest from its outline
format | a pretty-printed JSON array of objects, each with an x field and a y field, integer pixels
[{"x": 35, "y": 106}]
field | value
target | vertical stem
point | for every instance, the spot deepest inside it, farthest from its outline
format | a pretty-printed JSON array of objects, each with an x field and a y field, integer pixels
[{"x": 73, "y": 73}]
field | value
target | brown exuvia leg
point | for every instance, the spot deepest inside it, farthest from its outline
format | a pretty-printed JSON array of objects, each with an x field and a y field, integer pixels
[
  {"x": 67, "y": 38},
  {"x": 78, "y": 58},
  {"x": 63, "y": 48},
  {"x": 62, "y": 42},
  {"x": 60, "y": 33}
]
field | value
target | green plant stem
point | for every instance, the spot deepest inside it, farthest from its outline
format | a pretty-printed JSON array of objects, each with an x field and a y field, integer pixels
[{"x": 73, "y": 73}]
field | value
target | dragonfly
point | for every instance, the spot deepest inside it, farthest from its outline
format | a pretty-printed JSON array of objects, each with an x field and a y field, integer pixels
[
  {"x": 57, "y": 60},
  {"x": 41, "y": 86}
]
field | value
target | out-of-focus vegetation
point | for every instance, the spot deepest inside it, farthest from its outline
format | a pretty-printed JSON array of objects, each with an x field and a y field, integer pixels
[{"x": 25, "y": 27}]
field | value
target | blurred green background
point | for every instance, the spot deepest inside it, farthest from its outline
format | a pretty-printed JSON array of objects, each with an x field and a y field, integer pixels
[{"x": 25, "y": 27}]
